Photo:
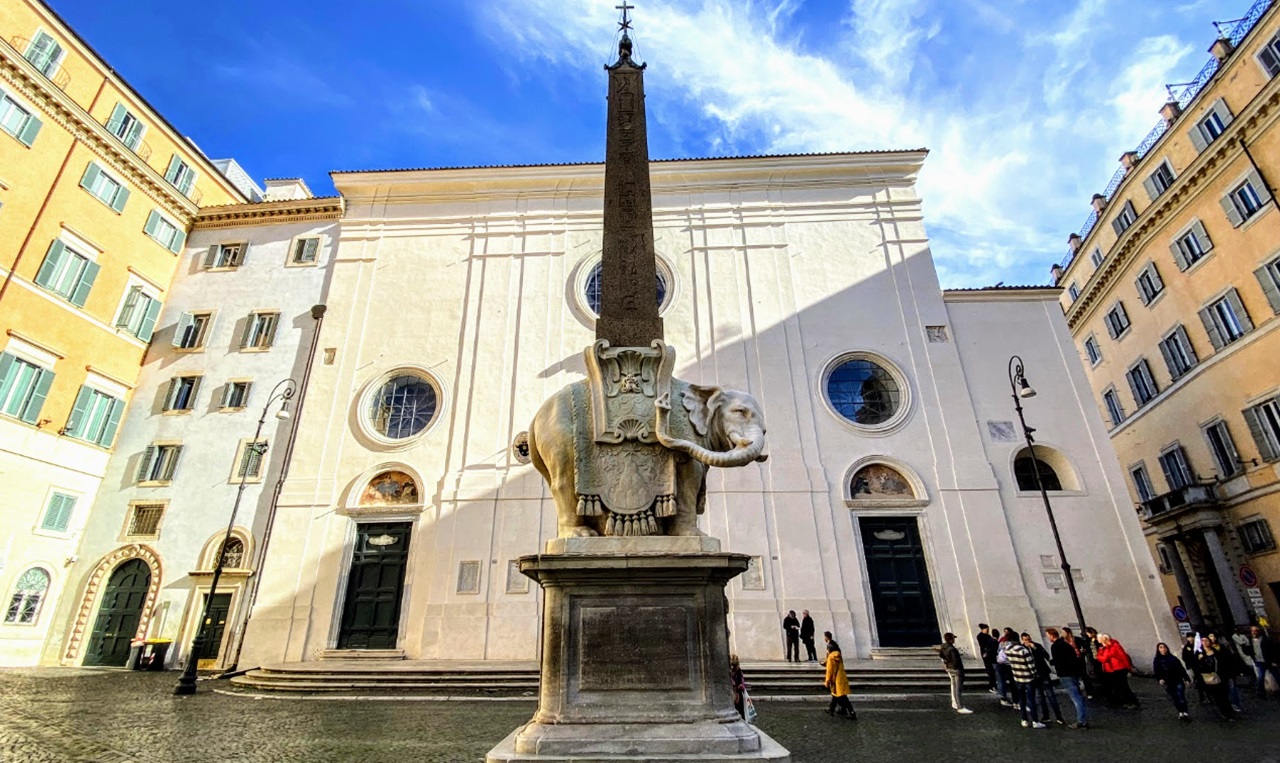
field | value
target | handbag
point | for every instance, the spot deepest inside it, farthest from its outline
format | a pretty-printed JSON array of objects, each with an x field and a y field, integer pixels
[
  {"x": 748, "y": 707},
  {"x": 1269, "y": 683},
  {"x": 1210, "y": 679}
]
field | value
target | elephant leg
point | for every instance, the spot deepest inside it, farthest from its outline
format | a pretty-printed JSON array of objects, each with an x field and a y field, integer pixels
[
  {"x": 688, "y": 482},
  {"x": 568, "y": 523}
]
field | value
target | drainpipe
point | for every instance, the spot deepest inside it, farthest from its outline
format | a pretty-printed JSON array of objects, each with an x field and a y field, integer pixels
[
  {"x": 1265, "y": 183},
  {"x": 317, "y": 313}
]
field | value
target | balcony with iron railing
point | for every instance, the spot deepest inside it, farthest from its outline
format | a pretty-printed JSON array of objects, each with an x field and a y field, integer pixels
[
  {"x": 1182, "y": 94},
  {"x": 1195, "y": 496},
  {"x": 55, "y": 74},
  {"x": 140, "y": 147}
]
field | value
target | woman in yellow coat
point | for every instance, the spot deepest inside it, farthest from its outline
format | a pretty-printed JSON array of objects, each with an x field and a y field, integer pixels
[{"x": 837, "y": 681}]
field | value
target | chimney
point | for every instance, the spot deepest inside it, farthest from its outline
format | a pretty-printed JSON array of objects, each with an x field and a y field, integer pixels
[
  {"x": 1075, "y": 242},
  {"x": 1171, "y": 111},
  {"x": 1099, "y": 203},
  {"x": 1222, "y": 49},
  {"x": 1129, "y": 160},
  {"x": 1056, "y": 270},
  {"x": 286, "y": 189}
]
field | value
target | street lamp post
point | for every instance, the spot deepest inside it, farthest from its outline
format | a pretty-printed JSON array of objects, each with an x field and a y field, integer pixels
[
  {"x": 1021, "y": 388},
  {"x": 283, "y": 392}
]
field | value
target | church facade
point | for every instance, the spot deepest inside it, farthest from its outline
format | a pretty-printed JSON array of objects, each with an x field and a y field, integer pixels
[{"x": 894, "y": 505}]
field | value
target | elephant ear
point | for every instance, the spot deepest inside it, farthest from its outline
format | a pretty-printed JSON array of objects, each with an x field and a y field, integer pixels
[{"x": 698, "y": 402}]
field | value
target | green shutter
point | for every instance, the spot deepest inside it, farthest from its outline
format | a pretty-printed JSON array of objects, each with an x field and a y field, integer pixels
[
  {"x": 130, "y": 304},
  {"x": 40, "y": 390},
  {"x": 122, "y": 198},
  {"x": 117, "y": 120},
  {"x": 153, "y": 222},
  {"x": 144, "y": 466},
  {"x": 90, "y": 177},
  {"x": 186, "y": 322},
  {"x": 81, "y": 293},
  {"x": 113, "y": 423},
  {"x": 7, "y": 368},
  {"x": 30, "y": 130},
  {"x": 309, "y": 249},
  {"x": 1266, "y": 276},
  {"x": 57, "y": 516},
  {"x": 149, "y": 320},
  {"x": 173, "y": 462},
  {"x": 179, "y": 241},
  {"x": 169, "y": 174},
  {"x": 1253, "y": 417},
  {"x": 52, "y": 264},
  {"x": 80, "y": 412}
]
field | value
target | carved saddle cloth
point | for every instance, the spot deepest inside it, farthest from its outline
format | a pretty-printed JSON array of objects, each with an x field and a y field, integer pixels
[{"x": 621, "y": 470}]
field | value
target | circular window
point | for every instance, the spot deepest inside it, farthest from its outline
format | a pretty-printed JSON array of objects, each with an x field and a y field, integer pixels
[
  {"x": 402, "y": 407},
  {"x": 864, "y": 392},
  {"x": 591, "y": 288}
]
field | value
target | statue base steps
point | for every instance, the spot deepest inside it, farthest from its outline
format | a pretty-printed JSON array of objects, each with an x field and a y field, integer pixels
[{"x": 635, "y": 656}]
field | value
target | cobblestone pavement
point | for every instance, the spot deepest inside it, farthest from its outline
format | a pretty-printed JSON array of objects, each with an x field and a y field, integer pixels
[{"x": 101, "y": 716}]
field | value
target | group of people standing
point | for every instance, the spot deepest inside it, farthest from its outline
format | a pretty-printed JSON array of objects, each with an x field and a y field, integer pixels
[
  {"x": 796, "y": 630},
  {"x": 1217, "y": 667}
]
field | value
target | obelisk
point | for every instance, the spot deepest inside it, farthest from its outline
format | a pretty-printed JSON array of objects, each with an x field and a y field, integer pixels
[{"x": 628, "y": 294}]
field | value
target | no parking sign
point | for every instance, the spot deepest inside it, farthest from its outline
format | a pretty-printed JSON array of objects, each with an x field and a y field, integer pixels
[{"x": 1248, "y": 576}]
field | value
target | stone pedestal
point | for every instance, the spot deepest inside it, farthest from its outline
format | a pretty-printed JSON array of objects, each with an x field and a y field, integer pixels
[{"x": 635, "y": 655}]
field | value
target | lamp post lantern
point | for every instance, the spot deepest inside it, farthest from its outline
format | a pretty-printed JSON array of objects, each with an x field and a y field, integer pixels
[
  {"x": 1022, "y": 389},
  {"x": 283, "y": 392}
]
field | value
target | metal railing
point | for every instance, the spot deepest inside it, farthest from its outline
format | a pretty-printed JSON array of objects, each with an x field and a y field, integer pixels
[
  {"x": 1200, "y": 494},
  {"x": 1185, "y": 93},
  {"x": 142, "y": 149},
  {"x": 58, "y": 76}
]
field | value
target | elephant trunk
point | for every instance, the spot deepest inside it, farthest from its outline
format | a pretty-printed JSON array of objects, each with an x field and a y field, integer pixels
[{"x": 739, "y": 456}]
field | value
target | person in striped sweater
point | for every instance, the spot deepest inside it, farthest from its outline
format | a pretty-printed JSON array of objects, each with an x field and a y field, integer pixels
[{"x": 1022, "y": 663}]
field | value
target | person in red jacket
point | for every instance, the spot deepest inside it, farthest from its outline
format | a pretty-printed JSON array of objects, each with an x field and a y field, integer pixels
[{"x": 1116, "y": 667}]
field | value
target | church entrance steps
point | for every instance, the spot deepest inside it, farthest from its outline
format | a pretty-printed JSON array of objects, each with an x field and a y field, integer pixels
[{"x": 492, "y": 678}]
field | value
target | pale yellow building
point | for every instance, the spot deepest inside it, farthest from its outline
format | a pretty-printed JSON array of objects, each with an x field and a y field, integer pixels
[
  {"x": 1172, "y": 292},
  {"x": 97, "y": 192}
]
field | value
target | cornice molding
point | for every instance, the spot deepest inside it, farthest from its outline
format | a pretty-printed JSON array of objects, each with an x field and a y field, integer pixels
[
  {"x": 1262, "y": 111},
  {"x": 1030, "y": 294},
  {"x": 269, "y": 212},
  {"x": 18, "y": 73}
]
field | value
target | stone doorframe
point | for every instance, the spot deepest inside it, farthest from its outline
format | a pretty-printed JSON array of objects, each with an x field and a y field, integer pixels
[{"x": 89, "y": 604}]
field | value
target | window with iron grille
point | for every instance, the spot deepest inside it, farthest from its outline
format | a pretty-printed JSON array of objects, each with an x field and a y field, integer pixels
[
  {"x": 403, "y": 407},
  {"x": 144, "y": 520},
  {"x": 28, "y": 594},
  {"x": 1256, "y": 536},
  {"x": 45, "y": 53}
]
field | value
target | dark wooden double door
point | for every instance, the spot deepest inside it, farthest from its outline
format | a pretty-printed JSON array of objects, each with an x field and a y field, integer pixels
[
  {"x": 900, "y": 590},
  {"x": 119, "y": 614},
  {"x": 375, "y": 586}
]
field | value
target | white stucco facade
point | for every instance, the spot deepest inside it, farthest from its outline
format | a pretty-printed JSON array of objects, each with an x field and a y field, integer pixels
[
  {"x": 194, "y": 498},
  {"x": 777, "y": 268}
]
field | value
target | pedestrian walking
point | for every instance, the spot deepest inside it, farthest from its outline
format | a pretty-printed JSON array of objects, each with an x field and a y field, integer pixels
[
  {"x": 1090, "y": 677},
  {"x": 1214, "y": 685},
  {"x": 1172, "y": 675},
  {"x": 1022, "y": 664},
  {"x": 1116, "y": 667},
  {"x": 1264, "y": 653},
  {"x": 1046, "y": 697},
  {"x": 806, "y": 635},
  {"x": 953, "y": 663},
  {"x": 987, "y": 646},
  {"x": 1231, "y": 669},
  {"x": 1191, "y": 659},
  {"x": 791, "y": 632},
  {"x": 1069, "y": 665},
  {"x": 837, "y": 681},
  {"x": 1004, "y": 676},
  {"x": 739, "y": 685}
]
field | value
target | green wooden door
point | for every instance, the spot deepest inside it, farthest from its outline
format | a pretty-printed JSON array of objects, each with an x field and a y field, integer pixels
[
  {"x": 900, "y": 591},
  {"x": 217, "y": 625},
  {"x": 119, "y": 614},
  {"x": 375, "y": 586}
]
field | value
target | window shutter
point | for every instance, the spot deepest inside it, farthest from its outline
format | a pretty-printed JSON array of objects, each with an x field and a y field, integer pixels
[
  {"x": 1168, "y": 359},
  {"x": 1197, "y": 138},
  {"x": 310, "y": 248},
  {"x": 1133, "y": 212},
  {"x": 1253, "y": 417},
  {"x": 113, "y": 423},
  {"x": 52, "y": 264},
  {"x": 248, "y": 330},
  {"x": 244, "y": 254},
  {"x": 1242, "y": 315},
  {"x": 30, "y": 130},
  {"x": 58, "y": 516},
  {"x": 122, "y": 198},
  {"x": 211, "y": 257},
  {"x": 1258, "y": 185},
  {"x": 1169, "y": 477},
  {"x": 117, "y": 119},
  {"x": 195, "y": 390},
  {"x": 1155, "y": 277},
  {"x": 186, "y": 322},
  {"x": 1117, "y": 225},
  {"x": 149, "y": 320},
  {"x": 144, "y": 466},
  {"x": 80, "y": 412},
  {"x": 6, "y": 368},
  {"x": 269, "y": 335},
  {"x": 173, "y": 462},
  {"x": 1152, "y": 190},
  {"x": 1229, "y": 207},
  {"x": 1202, "y": 236},
  {"x": 40, "y": 390},
  {"x": 90, "y": 177},
  {"x": 134, "y": 137},
  {"x": 1220, "y": 108},
  {"x": 187, "y": 180},
  {"x": 170, "y": 173},
  {"x": 170, "y": 394},
  {"x": 1131, "y": 377},
  {"x": 1111, "y": 324},
  {"x": 81, "y": 293},
  {"x": 1186, "y": 345},
  {"x": 153, "y": 224},
  {"x": 1266, "y": 276},
  {"x": 179, "y": 241},
  {"x": 1211, "y": 328},
  {"x": 130, "y": 303}
]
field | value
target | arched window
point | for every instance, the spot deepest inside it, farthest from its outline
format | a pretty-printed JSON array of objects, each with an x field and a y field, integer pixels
[
  {"x": 233, "y": 554},
  {"x": 390, "y": 488},
  {"x": 403, "y": 406},
  {"x": 591, "y": 290},
  {"x": 879, "y": 481},
  {"x": 24, "y": 607},
  {"x": 864, "y": 392},
  {"x": 1025, "y": 467}
]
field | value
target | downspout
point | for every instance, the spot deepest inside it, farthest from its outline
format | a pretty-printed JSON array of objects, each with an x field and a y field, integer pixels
[
  {"x": 317, "y": 313},
  {"x": 1265, "y": 183}
]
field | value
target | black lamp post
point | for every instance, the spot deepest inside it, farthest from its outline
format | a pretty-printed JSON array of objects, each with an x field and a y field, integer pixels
[
  {"x": 1021, "y": 388},
  {"x": 283, "y": 392}
]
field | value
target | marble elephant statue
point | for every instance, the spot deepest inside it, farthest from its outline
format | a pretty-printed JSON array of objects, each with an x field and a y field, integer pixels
[{"x": 705, "y": 427}]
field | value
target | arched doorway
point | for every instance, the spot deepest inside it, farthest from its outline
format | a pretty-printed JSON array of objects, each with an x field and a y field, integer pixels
[{"x": 119, "y": 614}]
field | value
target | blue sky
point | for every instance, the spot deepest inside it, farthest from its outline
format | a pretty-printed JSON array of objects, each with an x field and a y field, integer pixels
[{"x": 1026, "y": 105}]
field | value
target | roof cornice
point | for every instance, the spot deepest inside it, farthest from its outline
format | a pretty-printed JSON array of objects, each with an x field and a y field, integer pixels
[
  {"x": 1004, "y": 294},
  {"x": 269, "y": 212}
]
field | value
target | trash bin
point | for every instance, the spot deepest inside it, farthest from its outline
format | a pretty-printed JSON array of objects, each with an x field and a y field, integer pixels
[{"x": 154, "y": 651}]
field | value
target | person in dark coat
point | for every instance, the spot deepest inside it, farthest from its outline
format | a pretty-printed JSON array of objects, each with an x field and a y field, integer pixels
[
  {"x": 1046, "y": 697},
  {"x": 806, "y": 635},
  {"x": 1264, "y": 653},
  {"x": 1192, "y": 662},
  {"x": 791, "y": 631},
  {"x": 987, "y": 645},
  {"x": 1173, "y": 676},
  {"x": 1215, "y": 686},
  {"x": 953, "y": 663},
  {"x": 1069, "y": 665},
  {"x": 1231, "y": 667}
]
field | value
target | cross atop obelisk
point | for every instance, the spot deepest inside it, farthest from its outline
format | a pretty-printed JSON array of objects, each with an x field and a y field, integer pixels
[{"x": 628, "y": 285}]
